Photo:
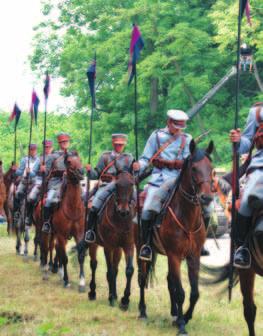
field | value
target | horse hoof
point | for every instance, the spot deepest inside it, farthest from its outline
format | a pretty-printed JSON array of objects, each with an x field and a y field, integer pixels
[
  {"x": 112, "y": 303},
  {"x": 82, "y": 289},
  {"x": 66, "y": 284},
  {"x": 124, "y": 307},
  {"x": 143, "y": 317},
  {"x": 182, "y": 333},
  {"x": 92, "y": 296},
  {"x": 45, "y": 277}
]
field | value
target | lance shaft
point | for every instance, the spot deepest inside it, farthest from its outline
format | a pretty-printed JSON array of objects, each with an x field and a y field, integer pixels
[
  {"x": 137, "y": 152},
  {"x": 235, "y": 178},
  {"x": 43, "y": 161}
]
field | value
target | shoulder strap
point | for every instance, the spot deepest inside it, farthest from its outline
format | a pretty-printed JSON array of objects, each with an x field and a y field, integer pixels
[
  {"x": 157, "y": 139},
  {"x": 107, "y": 167},
  {"x": 183, "y": 142},
  {"x": 162, "y": 148}
]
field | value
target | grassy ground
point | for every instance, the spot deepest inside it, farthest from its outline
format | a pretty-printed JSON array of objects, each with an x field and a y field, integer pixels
[{"x": 30, "y": 306}]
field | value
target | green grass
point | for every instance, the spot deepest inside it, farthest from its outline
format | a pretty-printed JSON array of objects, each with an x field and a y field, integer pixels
[{"x": 50, "y": 310}]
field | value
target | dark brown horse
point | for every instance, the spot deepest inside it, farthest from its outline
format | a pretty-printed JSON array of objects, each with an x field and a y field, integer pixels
[
  {"x": 2, "y": 191},
  {"x": 9, "y": 178},
  {"x": 115, "y": 232},
  {"x": 182, "y": 234},
  {"x": 246, "y": 276},
  {"x": 68, "y": 220}
]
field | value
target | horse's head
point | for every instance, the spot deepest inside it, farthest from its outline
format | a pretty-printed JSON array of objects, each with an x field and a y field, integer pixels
[
  {"x": 198, "y": 173},
  {"x": 124, "y": 192},
  {"x": 74, "y": 167}
]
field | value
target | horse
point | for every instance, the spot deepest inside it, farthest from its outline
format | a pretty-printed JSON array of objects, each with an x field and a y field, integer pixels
[
  {"x": 2, "y": 191},
  {"x": 246, "y": 277},
  {"x": 182, "y": 234},
  {"x": 8, "y": 204},
  {"x": 115, "y": 233},
  {"x": 68, "y": 220}
]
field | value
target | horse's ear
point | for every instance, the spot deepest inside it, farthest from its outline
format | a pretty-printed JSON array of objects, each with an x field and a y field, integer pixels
[
  {"x": 192, "y": 146},
  {"x": 210, "y": 147}
]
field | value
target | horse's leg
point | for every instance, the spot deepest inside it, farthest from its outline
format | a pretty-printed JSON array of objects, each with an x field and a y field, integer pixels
[
  {"x": 115, "y": 266},
  {"x": 174, "y": 276},
  {"x": 93, "y": 265},
  {"x": 193, "y": 264},
  {"x": 129, "y": 252},
  {"x": 18, "y": 240},
  {"x": 81, "y": 260},
  {"x": 44, "y": 244},
  {"x": 51, "y": 250},
  {"x": 171, "y": 288},
  {"x": 61, "y": 243},
  {"x": 142, "y": 279},
  {"x": 26, "y": 240},
  {"x": 110, "y": 274},
  {"x": 247, "y": 281}
]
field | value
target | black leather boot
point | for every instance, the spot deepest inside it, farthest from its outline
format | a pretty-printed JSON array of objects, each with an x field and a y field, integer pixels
[
  {"x": 146, "y": 250},
  {"x": 29, "y": 214},
  {"x": 46, "y": 225},
  {"x": 242, "y": 257},
  {"x": 90, "y": 235}
]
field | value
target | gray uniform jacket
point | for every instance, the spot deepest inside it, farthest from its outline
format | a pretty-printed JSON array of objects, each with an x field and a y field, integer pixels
[
  {"x": 123, "y": 161},
  {"x": 247, "y": 138},
  {"x": 157, "y": 139},
  {"x": 33, "y": 161}
]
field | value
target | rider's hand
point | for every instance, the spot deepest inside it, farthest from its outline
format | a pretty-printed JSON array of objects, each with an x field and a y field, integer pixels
[
  {"x": 42, "y": 169},
  {"x": 14, "y": 167},
  {"x": 136, "y": 166},
  {"x": 88, "y": 168},
  {"x": 235, "y": 135},
  {"x": 27, "y": 170}
]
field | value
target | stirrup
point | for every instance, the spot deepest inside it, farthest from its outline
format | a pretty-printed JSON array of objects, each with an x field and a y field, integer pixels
[
  {"x": 90, "y": 236},
  {"x": 242, "y": 258},
  {"x": 146, "y": 253},
  {"x": 46, "y": 227}
]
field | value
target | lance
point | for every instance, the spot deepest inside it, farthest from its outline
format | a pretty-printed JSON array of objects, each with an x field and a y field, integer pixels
[
  {"x": 91, "y": 74},
  {"x": 235, "y": 175},
  {"x": 46, "y": 94}
]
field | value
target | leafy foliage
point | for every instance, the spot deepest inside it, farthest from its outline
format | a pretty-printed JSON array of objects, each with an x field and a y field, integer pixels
[{"x": 189, "y": 46}]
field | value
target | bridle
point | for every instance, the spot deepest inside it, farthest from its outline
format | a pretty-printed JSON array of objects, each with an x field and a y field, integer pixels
[
  {"x": 193, "y": 197},
  {"x": 123, "y": 198}
]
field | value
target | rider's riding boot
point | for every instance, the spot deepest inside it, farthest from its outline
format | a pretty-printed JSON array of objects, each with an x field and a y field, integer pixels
[
  {"x": 16, "y": 212},
  {"x": 204, "y": 251},
  {"x": 29, "y": 214},
  {"x": 46, "y": 225},
  {"x": 90, "y": 235},
  {"x": 242, "y": 257},
  {"x": 146, "y": 250}
]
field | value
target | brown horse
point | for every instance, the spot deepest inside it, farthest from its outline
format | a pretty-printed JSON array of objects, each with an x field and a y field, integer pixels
[
  {"x": 9, "y": 178},
  {"x": 2, "y": 191},
  {"x": 246, "y": 276},
  {"x": 69, "y": 219},
  {"x": 115, "y": 232},
  {"x": 182, "y": 234}
]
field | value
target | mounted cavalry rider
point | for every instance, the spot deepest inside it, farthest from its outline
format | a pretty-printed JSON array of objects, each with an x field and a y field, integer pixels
[
  {"x": 27, "y": 174},
  {"x": 166, "y": 150},
  {"x": 107, "y": 168},
  {"x": 35, "y": 192},
  {"x": 251, "y": 136},
  {"x": 55, "y": 169}
]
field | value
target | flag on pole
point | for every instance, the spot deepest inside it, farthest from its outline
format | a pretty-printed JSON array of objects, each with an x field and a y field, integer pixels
[
  {"x": 136, "y": 46},
  {"x": 245, "y": 7},
  {"x": 34, "y": 106},
  {"x": 47, "y": 86},
  {"x": 15, "y": 114},
  {"x": 91, "y": 74}
]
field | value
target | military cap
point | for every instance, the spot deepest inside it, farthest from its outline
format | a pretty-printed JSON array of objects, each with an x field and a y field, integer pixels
[
  {"x": 63, "y": 137},
  {"x": 33, "y": 146},
  {"x": 47, "y": 143},
  {"x": 119, "y": 138},
  {"x": 179, "y": 117}
]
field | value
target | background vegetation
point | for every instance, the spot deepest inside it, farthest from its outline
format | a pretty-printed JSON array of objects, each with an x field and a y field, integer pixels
[{"x": 189, "y": 46}]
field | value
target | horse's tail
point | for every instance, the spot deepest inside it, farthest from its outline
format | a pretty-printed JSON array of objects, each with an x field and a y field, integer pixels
[{"x": 218, "y": 275}]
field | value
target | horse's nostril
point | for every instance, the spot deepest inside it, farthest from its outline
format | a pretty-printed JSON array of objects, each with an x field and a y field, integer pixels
[{"x": 205, "y": 199}]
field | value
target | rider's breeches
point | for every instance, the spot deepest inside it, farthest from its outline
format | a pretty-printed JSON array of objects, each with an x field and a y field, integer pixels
[
  {"x": 102, "y": 195},
  {"x": 21, "y": 190},
  {"x": 253, "y": 185},
  {"x": 54, "y": 192},
  {"x": 155, "y": 198},
  {"x": 34, "y": 194}
]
